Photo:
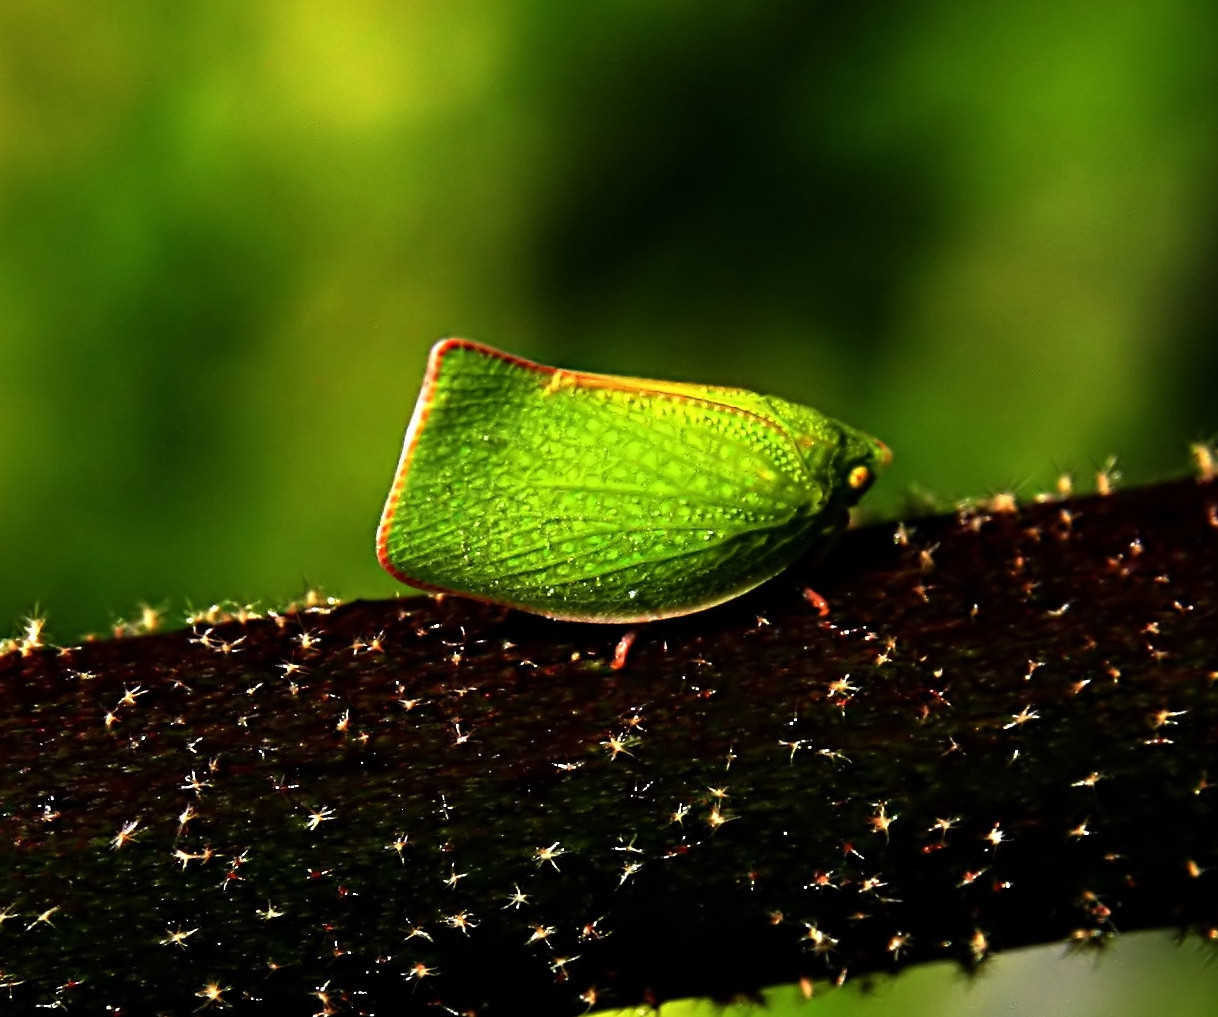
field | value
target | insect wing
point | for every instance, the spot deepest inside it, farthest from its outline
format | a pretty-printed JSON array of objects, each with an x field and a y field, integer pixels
[{"x": 590, "y": 497}]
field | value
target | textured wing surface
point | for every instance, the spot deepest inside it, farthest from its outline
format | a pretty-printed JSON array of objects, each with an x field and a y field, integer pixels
[{"x": 568, "y": 495}]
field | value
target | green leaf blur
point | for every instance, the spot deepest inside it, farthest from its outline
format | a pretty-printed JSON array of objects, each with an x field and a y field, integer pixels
[{"x": 230, "y": 233}]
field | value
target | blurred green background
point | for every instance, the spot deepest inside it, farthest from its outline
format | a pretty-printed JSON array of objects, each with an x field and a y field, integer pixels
[{"x": 230, "y": 231}]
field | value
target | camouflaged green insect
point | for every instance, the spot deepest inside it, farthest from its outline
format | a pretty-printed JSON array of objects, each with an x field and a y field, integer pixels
[{"x": 589, "y": 497}]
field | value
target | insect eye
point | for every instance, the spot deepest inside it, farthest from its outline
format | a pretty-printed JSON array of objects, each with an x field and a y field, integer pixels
[{"x": 860, "y": 478}]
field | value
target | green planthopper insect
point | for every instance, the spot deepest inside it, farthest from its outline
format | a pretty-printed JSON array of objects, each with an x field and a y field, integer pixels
[{"x": 589, "y": 497}]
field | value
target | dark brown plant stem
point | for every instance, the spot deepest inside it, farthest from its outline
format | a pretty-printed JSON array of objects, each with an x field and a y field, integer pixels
[{"x": 1002, "y": 733}]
